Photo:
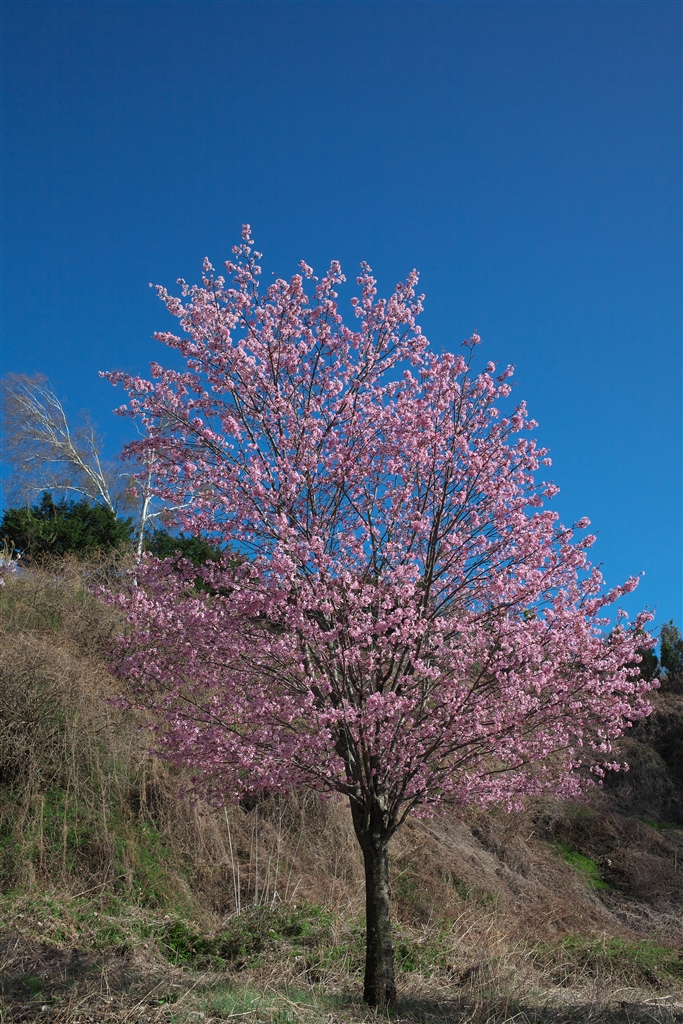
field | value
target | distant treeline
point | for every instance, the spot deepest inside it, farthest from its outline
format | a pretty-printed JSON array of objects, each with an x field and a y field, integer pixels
[{"x": 67, "y": 526}]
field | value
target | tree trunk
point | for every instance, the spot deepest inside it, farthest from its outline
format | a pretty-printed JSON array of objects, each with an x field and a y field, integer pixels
[
  {"x": 373, "y": 834},
  {"x": 380, "y": 987}
]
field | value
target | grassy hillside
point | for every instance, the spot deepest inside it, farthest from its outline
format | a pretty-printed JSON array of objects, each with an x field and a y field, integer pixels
[{"x": 120, "y": 897}]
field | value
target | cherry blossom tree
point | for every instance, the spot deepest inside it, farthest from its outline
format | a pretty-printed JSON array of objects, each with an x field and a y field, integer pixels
[{"x": 409, "y": 625}]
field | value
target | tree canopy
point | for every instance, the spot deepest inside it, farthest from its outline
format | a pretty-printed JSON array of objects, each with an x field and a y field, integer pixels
[{"x": 671, "y": 655}]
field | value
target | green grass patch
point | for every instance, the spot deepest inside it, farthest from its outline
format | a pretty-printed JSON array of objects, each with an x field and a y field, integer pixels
[
  {"x": 288, "y": 1005},
  {"x": 65, "y": 834},
  {"x": 423, "y": 955},
  {"x": 95, "y": 925},
  {"x": 28, "y": 612},
  {"x": 319, "y": 942},
  {"x": 247, "y": 936},
  {"x": 470, "y": 893},
  {"x": 643, "y": 962},
  {"x": 663, "y": 826},
  {"x": 588, "y": 868}
]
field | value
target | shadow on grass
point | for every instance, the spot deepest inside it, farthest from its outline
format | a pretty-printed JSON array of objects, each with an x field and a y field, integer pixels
[
  {"x": 314, "y": 1006},
  {"x": 498, "y": 1010},
  {"x": 40, "y": 982}
]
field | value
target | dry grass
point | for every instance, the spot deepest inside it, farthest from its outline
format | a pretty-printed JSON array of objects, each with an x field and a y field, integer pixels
[
  {"x": 120, "y": 896},
  {"x": 501, "y": 982}
]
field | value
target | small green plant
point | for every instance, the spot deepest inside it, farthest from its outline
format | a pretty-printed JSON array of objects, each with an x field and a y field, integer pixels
[{"x": 33, "y": 985}]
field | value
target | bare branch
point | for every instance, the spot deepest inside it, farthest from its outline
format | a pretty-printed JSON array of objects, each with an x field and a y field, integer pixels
[{"x": 45, "y": 452}]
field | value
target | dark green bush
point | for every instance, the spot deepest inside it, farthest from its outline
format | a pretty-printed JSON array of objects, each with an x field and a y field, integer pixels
[
  {"x": 63, "y": 527},
  {"x": 198, "y": 550}
]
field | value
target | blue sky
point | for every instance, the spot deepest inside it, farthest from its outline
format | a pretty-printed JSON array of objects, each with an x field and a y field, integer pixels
[{"x": 525, "y": 157}]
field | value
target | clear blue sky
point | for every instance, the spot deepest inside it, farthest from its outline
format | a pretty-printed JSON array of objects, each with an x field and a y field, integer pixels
[{"x": 525, "y": 157}]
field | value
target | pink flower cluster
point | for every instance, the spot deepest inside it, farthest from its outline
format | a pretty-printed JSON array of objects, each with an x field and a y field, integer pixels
[{"x": 398, "y": 617}]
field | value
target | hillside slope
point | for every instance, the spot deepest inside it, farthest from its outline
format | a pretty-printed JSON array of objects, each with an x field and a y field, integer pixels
[{"x": 109, "y": 873}]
